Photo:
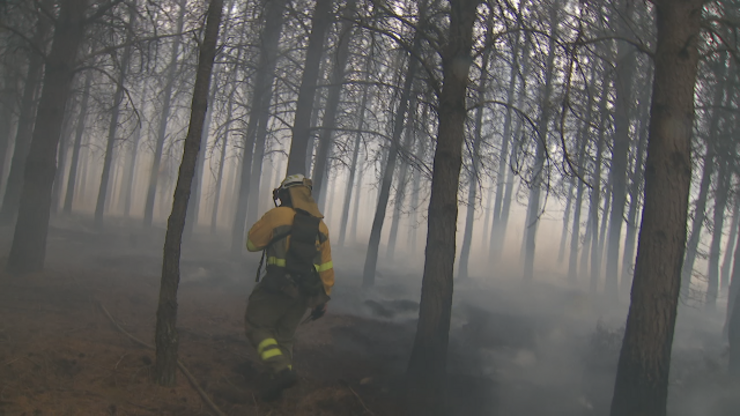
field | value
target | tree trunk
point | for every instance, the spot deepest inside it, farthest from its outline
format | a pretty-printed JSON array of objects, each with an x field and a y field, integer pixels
[
  {"x": 64, "y": 140},
  {"x": 355, "y": 153},
  {"x": 401, "y": 184},
  {"x": 734, "y": 338},
  {"x": 625, "y": 71},
  {"x": 129, "y": 175},
  {"x": 732, "y": 295},
  {"x": 113, "y": 126},
  {"x": 576, "y": 233},
  {"x": 79, "y": 132},
  {"x": 320, "y": 23},
  {"x": 258, "y": 113},
  {"x": 222, "y": 161},
  {"x": 165, "y": 367},
  {"x": 26, "y": 123},
  {"x": 503, "y": 186},
  {"x": 720, "y": 202},
  {"x": 475, "y": 167},
  {"x": 566, "y": 220},
  {"x": 641, "y": 386},
  {"x": 8, "y": 98},
  {"x": 332, "y": 102},
  {"x": 164, "y": 118},
  {"x": 28, "y": 249},
  {"x": 730, "y": 247},
  {"x": 428, "y": 361},
  {"x": 194, "y": 202},
  {"x": 593, "y": 235},
  {"x": 371, "y": 259},
  {"x": 543, "y": 124},
  {"x": 356, "y": 208},
  {"x": 637, "y": 178}
]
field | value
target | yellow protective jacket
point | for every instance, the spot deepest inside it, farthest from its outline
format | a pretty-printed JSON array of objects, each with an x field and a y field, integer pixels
[{"x": 278, "y": 221}]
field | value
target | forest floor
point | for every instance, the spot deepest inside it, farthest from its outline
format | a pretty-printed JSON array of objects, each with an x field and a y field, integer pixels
[{"x": 514, "y": 350}]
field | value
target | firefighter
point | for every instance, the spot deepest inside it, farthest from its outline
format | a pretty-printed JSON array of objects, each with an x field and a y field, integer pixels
[{"x": 299, "y": 277}]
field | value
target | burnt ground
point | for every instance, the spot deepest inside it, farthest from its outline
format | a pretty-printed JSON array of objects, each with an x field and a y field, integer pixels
[{"x": 61, "y": 355}]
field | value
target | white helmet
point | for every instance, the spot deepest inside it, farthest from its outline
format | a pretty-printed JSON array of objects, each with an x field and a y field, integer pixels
[{"x": 295, "y": 180}]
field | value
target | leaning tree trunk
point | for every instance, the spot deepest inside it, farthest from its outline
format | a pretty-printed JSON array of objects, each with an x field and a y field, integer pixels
[
  {"x": 624, "y": 80},
  {"x": 428, "y": 362},
  {"x": 641, "y": 386},
  {"x": 475, "y": 167},
  {"x": 320, "y": 23},
  {"x": 28, "y": 249},
  {"x": 258, "y": 113},
  {"x": 165, "y": 367},
  {"x": 533, "y": 206},
  {"x": 25, "y": 125},
  {"x": 113, "y": 126},
  {"x": 164, "y": 118},
  {"x": 371, "y": 258}
]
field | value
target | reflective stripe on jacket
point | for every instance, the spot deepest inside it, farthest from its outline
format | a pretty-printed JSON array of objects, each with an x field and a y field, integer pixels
[{"x": 278, "y": 221}]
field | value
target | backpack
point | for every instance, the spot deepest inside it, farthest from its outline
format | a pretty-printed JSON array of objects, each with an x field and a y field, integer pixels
[{"x": 299, "y": 267}]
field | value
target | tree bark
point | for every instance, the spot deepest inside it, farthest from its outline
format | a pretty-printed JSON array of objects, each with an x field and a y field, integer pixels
[
  {"x": 113, "y": 126},
  {"x": 26, "y": 123},
  {"x": 427, "y": 364},
  {"x": 428, "y": 361},
  {"x": 28, "y": 249},
  {"x": 401, "y": 183},
  {"x": 641, "y": 386},
  {"x": 320, "y": 23},
  {"x": 164, "y": 118},
  {"x": 258, "y": 114},
  {"x": 624, "y": 80},
  {"x": 8, "y": 98},
  {"x": 165, "y": 367},
  {"x": 593, "y": 235},
  {"x": 222, "y": 160}
]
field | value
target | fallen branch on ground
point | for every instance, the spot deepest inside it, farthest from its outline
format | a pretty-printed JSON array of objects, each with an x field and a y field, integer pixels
[{"x": 180, "y": 365}]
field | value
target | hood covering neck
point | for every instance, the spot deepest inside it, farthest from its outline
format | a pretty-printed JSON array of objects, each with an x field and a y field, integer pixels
[{"x": 300, "y": 197}]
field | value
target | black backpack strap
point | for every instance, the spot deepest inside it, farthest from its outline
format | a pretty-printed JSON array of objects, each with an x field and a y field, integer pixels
[{"x": 302, "y": 250}]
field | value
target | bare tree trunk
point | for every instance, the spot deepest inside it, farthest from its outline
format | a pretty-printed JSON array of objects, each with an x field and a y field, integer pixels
[
  {"x": 113, "y": 126},
  {"x": 164, "y": 118},
  {"x": 543, "y": 124},
  {"x": 79, "y": 132},
  {"x": 730, "y": 247},
  {"x": 356, "y": 208},
  {"x": 320, "y": 23},
  {"x": 194, "y": 202},
  {"x": 222, "y": 161},
  {"x": 325, "y": 141},
  {"x": 64, "y": 140},
  {"x": 734, "y": 338},
  {"x": 641, "y": 386},
  {"x": 165, "y": 367},
  {"x": 625, "y": 71},
  {"x": 720, "y": 202},
  {"x": 698, "y": 221},
  {"x": 8, "y": 98},
  {"x": 593, "y": 236},
  {"x": 504, "y": 187},
  {"x": 475, "y": 167},
  {"x": 28, "y": 249},
  {"x": 637, "y": 178},
  {"x": 258, "y": 114},
  {"x": 401, "y": 184},
  {"x": 566, "y": 220},
  {"x": 129, "y": 175},
  {"x": 576, "y": 236},
  {"x": 428, "y": 362},
  {"x": 26, "y": 123},
  {"x": 355, "y": 153},
  {"x": 371, "y": 259}
]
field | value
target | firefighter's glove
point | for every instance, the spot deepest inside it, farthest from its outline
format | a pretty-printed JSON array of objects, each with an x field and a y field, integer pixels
[{"x": 318, "y": 312}]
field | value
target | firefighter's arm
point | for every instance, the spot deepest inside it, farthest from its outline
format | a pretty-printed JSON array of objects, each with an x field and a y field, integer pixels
[
  {"x": 260, "y": 234},
  {"x": 326, "y": 268}
]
